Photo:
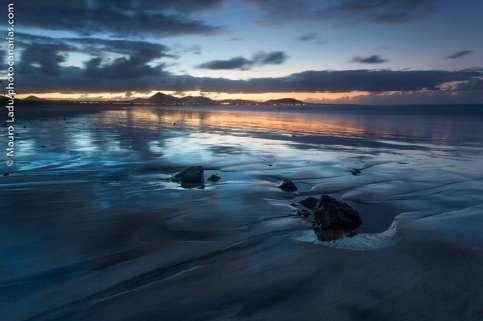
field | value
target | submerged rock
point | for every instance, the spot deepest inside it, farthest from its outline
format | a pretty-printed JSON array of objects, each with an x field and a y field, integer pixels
[
  {"x": 309, "y": 202},
  {"x": 333, "y": 218},
  {"x": 356, "y": 171},
  {"x": 214, "y": 178},
  {"x": 287, "y": 186},
  {"x": 303, "y": 212},
  {"x": 190, "y": 177}
]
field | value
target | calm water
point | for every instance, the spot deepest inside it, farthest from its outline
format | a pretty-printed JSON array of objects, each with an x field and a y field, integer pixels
[{"x": 92, "y": 226}]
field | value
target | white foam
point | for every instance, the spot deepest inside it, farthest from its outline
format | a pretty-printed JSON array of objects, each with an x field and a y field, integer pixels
[{"x": 359, "y": 242}]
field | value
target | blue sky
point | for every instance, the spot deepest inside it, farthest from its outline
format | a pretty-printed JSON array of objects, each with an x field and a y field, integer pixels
[{"x": 233, "y": 40}]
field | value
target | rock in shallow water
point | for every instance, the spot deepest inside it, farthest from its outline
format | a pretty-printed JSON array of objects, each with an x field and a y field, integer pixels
[
  {"x": 309, "y": 202},
  {"x": 355, "y": 171},
  {"x": 190, "y": 177},
  {"x": 303, "y": 212},
  {"x": 287, "y": 186},
  {"x": 333, "y": 218},
  {"x": 214, "y": 178}
]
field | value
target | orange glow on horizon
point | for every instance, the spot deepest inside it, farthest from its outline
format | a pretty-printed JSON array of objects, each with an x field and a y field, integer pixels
[{"x": 304, "y": 96}]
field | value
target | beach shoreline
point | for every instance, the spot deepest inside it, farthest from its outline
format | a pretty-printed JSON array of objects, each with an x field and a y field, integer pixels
[{"x": 100, "y": 229}]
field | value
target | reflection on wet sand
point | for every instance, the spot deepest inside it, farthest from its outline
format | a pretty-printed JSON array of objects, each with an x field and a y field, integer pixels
[
  {"x": 432, "y": 129},
  {"x": 250, "y": 121},
  {"x": 92, "y": 225}
]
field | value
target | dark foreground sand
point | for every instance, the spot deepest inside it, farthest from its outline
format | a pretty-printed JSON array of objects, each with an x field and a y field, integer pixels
[{"x": 92, "y": 230}]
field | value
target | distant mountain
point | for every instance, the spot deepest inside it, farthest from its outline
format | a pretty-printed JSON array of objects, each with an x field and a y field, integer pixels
[
  {"x": 284, "y": 102},
  {"x": 168, "y": 100},
  {"x": 196, "y": 100},
  {"x": 162, "y": 99},
  {"x": 33, "y": 98}
]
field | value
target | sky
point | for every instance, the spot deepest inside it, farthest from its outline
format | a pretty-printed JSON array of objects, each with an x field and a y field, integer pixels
[{"x": 333, "y": 51}]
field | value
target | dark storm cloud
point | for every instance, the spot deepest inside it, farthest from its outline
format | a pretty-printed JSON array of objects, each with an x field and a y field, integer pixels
[
  {"x": 44, "y": 55},
  {"x": 141, "y": 66},
  {"x": 374, "y": 11},
  {"x": 241, "y": 63},
  {"x": 120, "y": 18},
  {"x": 45, "y": 59},
  {"x": 340, "y": 81},
  {"x": 459, "y": 54},
  {"x": 95, "y": 77},
  {"x": 373, "y": 59}
]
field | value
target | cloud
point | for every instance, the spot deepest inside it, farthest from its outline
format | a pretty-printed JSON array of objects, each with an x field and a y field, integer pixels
[
  {"x": 380, "y": 11},
  {"x": 459, "y": 54},
  {"x": 121, "y": 18},
  {"x": 271, "y": 58},
  {"x": 373, "y": 59},
  {"x": 308, "y": 36},
  {"x": 386, "y": 12},
  {"x": 41, "y": 56},
  {"x": 141, "y": 66},
  {"x": 241, "y": 63}
]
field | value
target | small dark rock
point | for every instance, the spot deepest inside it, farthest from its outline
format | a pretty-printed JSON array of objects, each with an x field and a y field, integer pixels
[
  {"x": 334, "y": 218},
  {"x": 6, "y": 174},
  {"x": 309, "y": 202},
  {"x": 303, "y": 212},
  {"x": 287, "y": 186},
  {"x": 42, "y": 146},
  {"x": 190, "y": 177},
  {"x": 356, "y": 171},
  {"x": 214, "y": 178}
]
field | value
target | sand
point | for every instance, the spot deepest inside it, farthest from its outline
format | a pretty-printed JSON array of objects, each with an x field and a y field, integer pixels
[{"x": 92, "y": 228}]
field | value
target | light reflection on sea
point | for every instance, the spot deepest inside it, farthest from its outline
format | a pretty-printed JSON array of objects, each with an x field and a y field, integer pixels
[{"x": 88, "y": 214}]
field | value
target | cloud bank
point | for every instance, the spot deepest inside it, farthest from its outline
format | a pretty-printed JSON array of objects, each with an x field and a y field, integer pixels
[
  {"x": 374, "y": 59},
  {"x": 241, "y": 63}
]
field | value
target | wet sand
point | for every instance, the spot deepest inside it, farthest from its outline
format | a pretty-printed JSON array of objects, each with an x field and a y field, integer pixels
[{"x": 93, "y": 229}]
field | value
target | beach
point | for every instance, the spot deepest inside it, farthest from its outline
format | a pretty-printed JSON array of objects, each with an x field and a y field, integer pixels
[{"x": 94, "y": 228}]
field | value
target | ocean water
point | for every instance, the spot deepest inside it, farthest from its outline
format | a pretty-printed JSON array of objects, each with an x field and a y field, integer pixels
[{"x": 92, "y": 227}]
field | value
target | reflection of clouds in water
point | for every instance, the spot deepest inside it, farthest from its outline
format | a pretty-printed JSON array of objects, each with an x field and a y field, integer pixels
[
  {"x": 26, "y": 147},
  {"x": 83, "y": 141}
]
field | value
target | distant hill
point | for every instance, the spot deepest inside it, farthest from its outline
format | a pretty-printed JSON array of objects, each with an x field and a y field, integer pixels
[
  {"x": 33, "y": 98},
  {"x": 196, "y": 100},
  {"x": 284, "y": 102},
  {"x": 162, "y": 99},
  {"x": 168, "y": 100}
]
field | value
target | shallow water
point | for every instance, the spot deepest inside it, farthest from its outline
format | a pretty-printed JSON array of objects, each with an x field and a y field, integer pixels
[{"x": 91, "y": 225}]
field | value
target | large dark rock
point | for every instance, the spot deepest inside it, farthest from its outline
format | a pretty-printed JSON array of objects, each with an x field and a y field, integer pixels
[
  {"x": 333, "y": 218},
  {"x": 190, "y": 177},
  {"x": 287, "y": 186},
  {"x": 309, "y": 202}
]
